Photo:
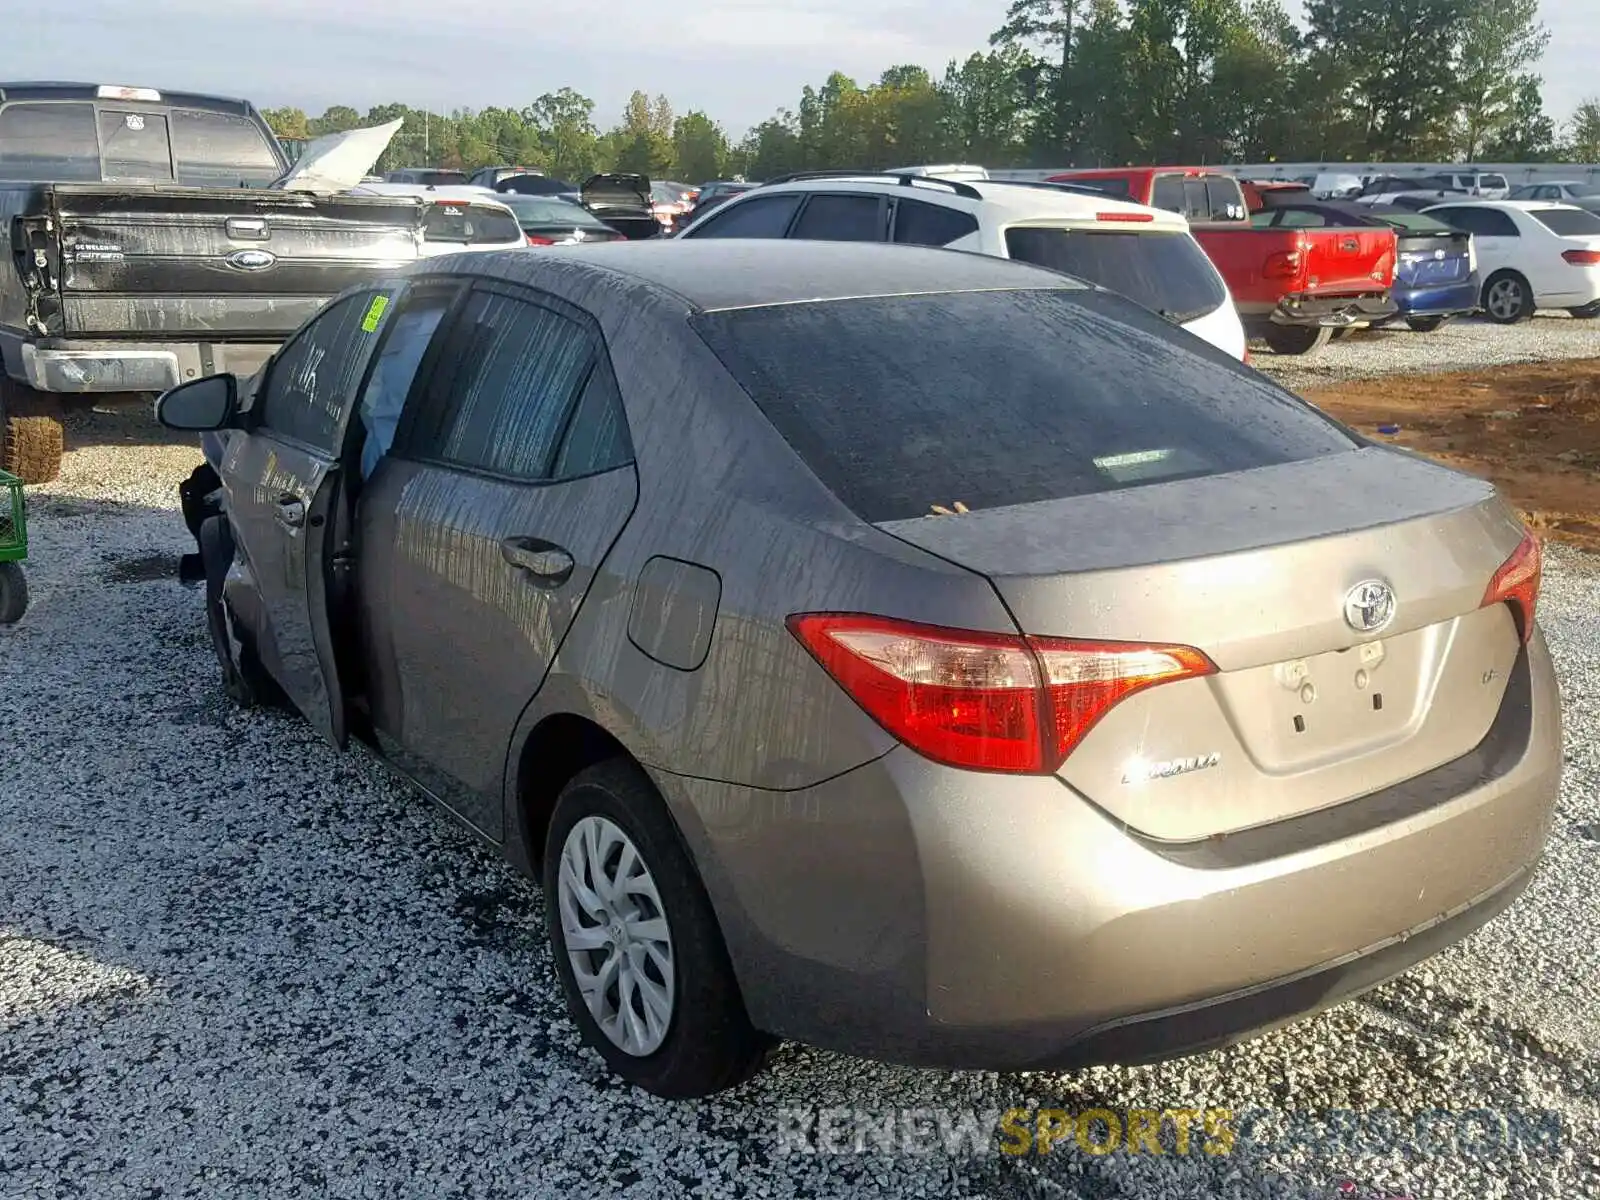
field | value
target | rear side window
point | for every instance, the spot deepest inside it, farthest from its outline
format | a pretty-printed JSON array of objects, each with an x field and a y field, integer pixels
[
  {"x": 49, "y": 142},
  {"x": 310, "y": 386},
  {"x": 1002, "y": 398},
  {"x": 758, "y": 217},
  {"x": 215, "y": 149},
  {"x": 1168, "y": 273},
  {"x": 919, "y": 223},
  {"x": 597, "y": 436},
  {"x": 504, "y": 387},
  {"x": 135, "y": 146},
  {"x": 1485, "y": 222},
  {"x": 470, "y": 225},
  {"x": 834, "y": 218},
  {"x": 1568, "y": 222}
]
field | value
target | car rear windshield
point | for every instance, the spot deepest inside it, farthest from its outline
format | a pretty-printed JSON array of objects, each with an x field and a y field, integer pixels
[
  {"x": 470, "y": 224},
  {"x": 1004, "y": 397},
  {"x": 1416, "y": 223},
  {"x": 1168, "y": 273},
  {"x": 1568, "y": 222},
  {"x": 536, "y": 211},
  {"x": 57, "y": 141}
]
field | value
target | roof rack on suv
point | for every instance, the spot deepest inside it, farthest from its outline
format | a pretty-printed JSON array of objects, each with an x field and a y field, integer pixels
[
  {"x": 965, "y": 190},
  {"x": 1081, "y": 189}
]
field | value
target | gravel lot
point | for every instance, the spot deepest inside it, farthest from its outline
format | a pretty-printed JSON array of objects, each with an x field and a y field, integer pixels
[
  {"x": 236, "y": 963},
  {"x": 1459, "y": 346}
]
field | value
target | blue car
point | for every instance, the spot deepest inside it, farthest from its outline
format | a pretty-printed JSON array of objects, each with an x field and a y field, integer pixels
[{"x": 1436, "y": 275}]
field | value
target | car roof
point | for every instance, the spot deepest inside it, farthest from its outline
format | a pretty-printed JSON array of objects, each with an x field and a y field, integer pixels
[
  {"x": 717, "y": 274},
  {"x": 1517, "y": 205},
  {"x": 1009, "y": 200}
]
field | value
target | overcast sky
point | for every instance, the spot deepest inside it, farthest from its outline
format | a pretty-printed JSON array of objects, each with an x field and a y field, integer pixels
[{"x": 739, "y": 60}]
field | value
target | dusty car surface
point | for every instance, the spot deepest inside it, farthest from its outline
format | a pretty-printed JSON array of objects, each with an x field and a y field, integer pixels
[{"x": 913, "y": 653}]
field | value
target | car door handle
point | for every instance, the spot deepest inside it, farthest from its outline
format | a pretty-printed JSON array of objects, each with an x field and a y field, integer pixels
[
  {"x": 549, "y": 564},
  {"x": 290, "y": 511}
]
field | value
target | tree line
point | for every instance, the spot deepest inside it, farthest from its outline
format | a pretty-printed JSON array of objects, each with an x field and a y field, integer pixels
[{"x": 1082, "y": 83}]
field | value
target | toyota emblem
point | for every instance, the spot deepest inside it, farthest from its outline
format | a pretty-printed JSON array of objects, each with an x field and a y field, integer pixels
[{"x": 1369, "y": 606}]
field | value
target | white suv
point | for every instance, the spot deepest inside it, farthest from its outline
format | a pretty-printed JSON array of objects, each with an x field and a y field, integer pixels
[{"x": 1146, "y": 254}]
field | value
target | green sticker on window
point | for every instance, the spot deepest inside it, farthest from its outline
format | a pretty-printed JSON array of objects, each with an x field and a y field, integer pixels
[{"x": 375, "y": 311}]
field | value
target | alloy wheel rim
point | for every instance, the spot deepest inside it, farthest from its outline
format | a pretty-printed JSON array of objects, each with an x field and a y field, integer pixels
[
  {"x": 1505, "y": 298},
  {"x": 618, "y": 941}
]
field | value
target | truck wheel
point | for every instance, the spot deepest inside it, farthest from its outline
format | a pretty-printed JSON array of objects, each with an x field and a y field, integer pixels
[
  {"x": 13, "y": 593},
  {"x": 1427, "y": 324},
  {"x": 31, "y": 437},
  {"x": 1507, "y": 298},
  {"x": 1297, "y": 339}
]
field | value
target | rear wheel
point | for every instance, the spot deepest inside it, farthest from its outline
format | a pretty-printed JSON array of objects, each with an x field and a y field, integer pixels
[
  {"x": 637, "y": 947},
  {"x": 1427, "y": 324},
  {"x": 1587, "y": 313},
  {"x": 1507, "y": 298},
  {"x": 13, "y": 593},
  {"x": 1297, "y": 339},
  {"x": 32, "y": 440}
]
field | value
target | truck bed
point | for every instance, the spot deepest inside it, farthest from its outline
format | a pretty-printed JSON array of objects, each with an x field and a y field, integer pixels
[{"x": 123, "y": 261}]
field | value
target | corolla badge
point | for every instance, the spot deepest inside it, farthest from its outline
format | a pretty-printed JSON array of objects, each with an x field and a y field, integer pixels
[
  {"x": 251, "y": 260},
  {"x": 1369, "y": 606}
]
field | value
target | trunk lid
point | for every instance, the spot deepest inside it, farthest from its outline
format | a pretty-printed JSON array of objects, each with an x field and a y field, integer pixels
[
  {"x": 1427, "y": 259},
  {"x": 1349, "y": 260},
  {"x": 245, "y": 264},
  {"x": 620, "y": 193},
  {"x": 1255, "y": 568}
]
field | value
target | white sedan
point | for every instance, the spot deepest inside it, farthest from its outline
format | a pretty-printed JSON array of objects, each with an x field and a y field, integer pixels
[{"x": 1531, "y": 254}]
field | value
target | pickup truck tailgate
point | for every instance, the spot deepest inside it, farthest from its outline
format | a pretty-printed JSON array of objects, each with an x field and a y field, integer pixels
[
  {"x": 220, "y": 264},
  {"x": 1349, "y": 260}
]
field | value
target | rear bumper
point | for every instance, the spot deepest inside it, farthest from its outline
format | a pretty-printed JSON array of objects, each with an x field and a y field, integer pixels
[
  {"x": 1446, "y": 300},
  {"x": 98, "y": 366},
  {"x": 1334, "y": 311},
  {"x": 914, "y": 913}
]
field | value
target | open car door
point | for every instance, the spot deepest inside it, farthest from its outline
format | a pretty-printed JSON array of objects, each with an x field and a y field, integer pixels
[{"x": 284, "y": 479}]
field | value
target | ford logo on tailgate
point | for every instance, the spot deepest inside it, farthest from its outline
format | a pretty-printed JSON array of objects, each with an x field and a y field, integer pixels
[{"x": 251, "y": 260}]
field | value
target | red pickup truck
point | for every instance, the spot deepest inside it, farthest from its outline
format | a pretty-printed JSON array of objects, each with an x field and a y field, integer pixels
[{"x": 1293, "y": 287}]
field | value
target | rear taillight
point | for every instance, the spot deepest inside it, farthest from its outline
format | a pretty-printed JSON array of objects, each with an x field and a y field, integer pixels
[
  {"x": 1284, "y": 264},
  {"x": 535, "y": 240},
  {"x": 985, "y": 701},
  {"x": 1517, "y": 583},
  {"x": 1129, "y": 217},
  {"x": 1582, "y": 258},
  {"x": 1248, "y": 360}
]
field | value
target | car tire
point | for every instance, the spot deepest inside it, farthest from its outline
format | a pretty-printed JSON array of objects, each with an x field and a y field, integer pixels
[
  {"x": 704, "y": 1043},
  {"x": 32, "y": 440},
  {"x": 1587, "y": 313},
  {"x": 13, "y": 593},
  {"x": 1300, "y": 340},
  {"x": 246, "y": 681},
  {"x": 1427, "y": 324},
  {"x": 1507, "y": 298}
]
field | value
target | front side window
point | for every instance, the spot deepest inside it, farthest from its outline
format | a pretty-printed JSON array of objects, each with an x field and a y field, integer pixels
[
  {"x": 508, "y": 376},
  {"x": 49, "y": 143},
  {"x": 758, "y": 217},
  {"x": 309, "y": 387},
  {"x": 407, "y": 340},
  {"x": 1004, "y": 398},
  {"x": 135, "y": 147}
]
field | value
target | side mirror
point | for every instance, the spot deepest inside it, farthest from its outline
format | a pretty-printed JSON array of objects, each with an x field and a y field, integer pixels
[{"x": 204, "y": 404}]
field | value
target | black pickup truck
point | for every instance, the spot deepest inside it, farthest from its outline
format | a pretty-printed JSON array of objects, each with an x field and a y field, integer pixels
[{"x": 148, "y": 238}]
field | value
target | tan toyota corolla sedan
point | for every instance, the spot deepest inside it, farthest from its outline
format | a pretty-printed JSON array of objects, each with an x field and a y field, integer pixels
[{"x": 914, "y": 653}]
